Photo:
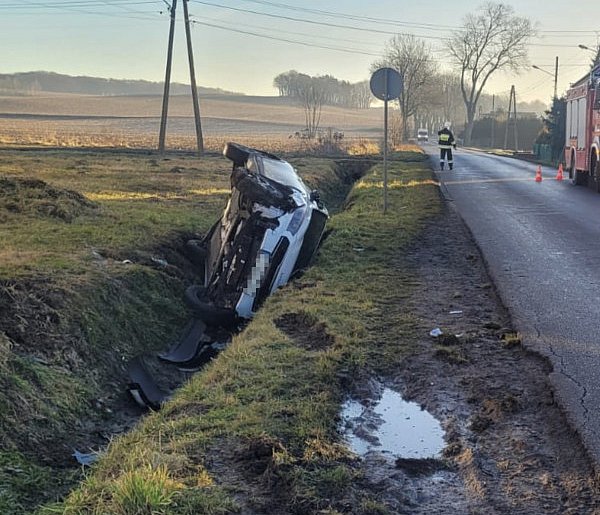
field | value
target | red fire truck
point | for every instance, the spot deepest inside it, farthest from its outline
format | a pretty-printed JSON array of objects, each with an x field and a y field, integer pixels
[{"x": 582, "y": 147}]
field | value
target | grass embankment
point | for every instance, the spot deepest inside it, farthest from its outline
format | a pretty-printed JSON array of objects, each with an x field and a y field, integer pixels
[
  {"x": 258, "y": 428},
  {"x": 112, "y": 203},
  {"x": 84, "y": 287}
]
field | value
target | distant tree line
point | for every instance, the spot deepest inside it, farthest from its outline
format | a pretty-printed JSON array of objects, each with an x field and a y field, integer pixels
[
  {"x": 331, "y": 91},
  {"x": 32, "y": 83}
]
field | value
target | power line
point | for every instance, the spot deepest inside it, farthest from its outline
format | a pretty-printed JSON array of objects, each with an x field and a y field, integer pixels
[
  {"x": 25, "y": 5},
  {"x": 312, "y": 22},
  {"x": 536, "y": 85},
  {"x": 208, "y": 23},
  {"x": 338, "y": 15},
  {"x": 280, "y": 5},
  {"x": 303, "y": 43},
  {"x": 80, "y": 6},
  {"x": 582, "y": 31},
  {"x": 387, "y": 21},
  {"x": 341, "y": 26},
  {"x": 290, "y": 32},
  {"x": 76, "y": 5},
  {"x": 572, "y": 65}
]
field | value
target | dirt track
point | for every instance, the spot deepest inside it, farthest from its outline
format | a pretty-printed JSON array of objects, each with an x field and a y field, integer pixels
[{"x": 509, "y": 447}]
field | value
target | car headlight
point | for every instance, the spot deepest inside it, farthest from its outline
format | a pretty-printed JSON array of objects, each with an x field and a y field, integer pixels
[{"x": 296, "y": 221}]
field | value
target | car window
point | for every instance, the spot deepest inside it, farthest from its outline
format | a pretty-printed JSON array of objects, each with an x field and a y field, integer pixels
[{"x": 281, "y": 172}]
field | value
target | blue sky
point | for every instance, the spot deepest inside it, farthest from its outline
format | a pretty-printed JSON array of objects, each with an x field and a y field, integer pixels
[{"x": 128, "y": 39}]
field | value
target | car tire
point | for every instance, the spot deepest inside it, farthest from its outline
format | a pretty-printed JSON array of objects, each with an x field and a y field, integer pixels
[
  {"x": 206, "y": 310},
  {"x": 237, "y": 153},
  {"x": 258, "y": 189},
  {"x": 240, "y": 154}
]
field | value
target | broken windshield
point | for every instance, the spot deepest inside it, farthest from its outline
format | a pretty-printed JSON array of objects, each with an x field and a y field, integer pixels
[{"x": 278, "y": 171}]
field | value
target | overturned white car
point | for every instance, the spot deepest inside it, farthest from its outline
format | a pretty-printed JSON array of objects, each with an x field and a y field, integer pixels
[{"x": 269, "y": 231}]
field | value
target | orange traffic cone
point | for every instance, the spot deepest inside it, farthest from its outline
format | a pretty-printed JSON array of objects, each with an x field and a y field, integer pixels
[
  {"x": 559, "y": 175},
  {"x": 538, "y": 174}
]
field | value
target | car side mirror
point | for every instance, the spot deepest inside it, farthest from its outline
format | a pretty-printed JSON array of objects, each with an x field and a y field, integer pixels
[{"x": 315, "y": 196}]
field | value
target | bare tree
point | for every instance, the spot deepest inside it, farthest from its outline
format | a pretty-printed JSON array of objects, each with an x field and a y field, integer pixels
[
  {"x": 492, "y": 40},
  {"x": 361, "y": 95},
  {"x": 443, "y": 102},
  {"x": 411, "y": 57},
  {"x": 453, "y": 108},
  {"x": 311, "y": 95}
]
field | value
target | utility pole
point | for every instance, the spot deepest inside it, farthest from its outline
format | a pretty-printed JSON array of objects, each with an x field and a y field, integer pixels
[
  {"x": 493, "y": 120},
  {"x": 188, "y": 34},
  {"x": 512, "y": 104},
  {"x": 555, "y": 76},
  {"x": 508, "y": 118},
  {"x": 165, "y": 105},
  {"x": 515, "y": 118}
]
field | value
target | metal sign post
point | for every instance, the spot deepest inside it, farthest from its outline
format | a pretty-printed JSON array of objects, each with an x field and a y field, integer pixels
[
  {"x": 385, "y": 144},
  {"x": 386, "y": 84}
]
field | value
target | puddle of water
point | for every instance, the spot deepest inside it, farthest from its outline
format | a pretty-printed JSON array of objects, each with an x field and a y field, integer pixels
[{"x": 393, "y": 427}]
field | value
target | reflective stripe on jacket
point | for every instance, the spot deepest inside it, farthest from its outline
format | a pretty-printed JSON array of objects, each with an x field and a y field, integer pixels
[{"x": 445, "y": 138}]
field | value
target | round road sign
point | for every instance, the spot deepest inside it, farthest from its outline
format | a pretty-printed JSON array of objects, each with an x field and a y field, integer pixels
[{"x": 386, "y": 84}]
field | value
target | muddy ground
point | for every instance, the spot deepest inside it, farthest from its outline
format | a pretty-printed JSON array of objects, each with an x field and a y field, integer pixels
[{"x": 509, "y": 448}]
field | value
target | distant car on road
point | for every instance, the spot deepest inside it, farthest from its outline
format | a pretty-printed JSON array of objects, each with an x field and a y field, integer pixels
[{"x": 422, "y": 135}]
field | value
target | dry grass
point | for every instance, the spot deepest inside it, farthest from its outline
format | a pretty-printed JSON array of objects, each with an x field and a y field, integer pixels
[
  {"x": 266, "y": 109},
  {"x": 133, "y": 122},
  {"x": 72, "y": 135}
]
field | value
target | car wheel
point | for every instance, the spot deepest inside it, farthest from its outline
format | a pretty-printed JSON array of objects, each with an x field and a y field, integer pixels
[
  {"x": 237, "y": 153},
  {"x": 258, "y": 189},
  {"x": 205, "y": 310},
  {"x": 240, "y": 154}
]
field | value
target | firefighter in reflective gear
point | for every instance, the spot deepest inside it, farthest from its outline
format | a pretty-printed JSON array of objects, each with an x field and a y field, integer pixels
[{"x": 446, "y": 142}]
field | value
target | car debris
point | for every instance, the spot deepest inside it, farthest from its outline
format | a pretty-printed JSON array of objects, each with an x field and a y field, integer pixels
[
  {"x": 269, "y": 232},
  {"x": 142, "y": 386},
  {"x": 85, "y": 459}
]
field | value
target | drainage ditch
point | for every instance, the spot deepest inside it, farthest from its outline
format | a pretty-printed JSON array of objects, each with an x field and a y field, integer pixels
[{"x": 88, "y": 426}]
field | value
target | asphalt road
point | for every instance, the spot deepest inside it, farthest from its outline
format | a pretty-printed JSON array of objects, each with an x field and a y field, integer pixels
[{"x": 541, "y": 242}]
